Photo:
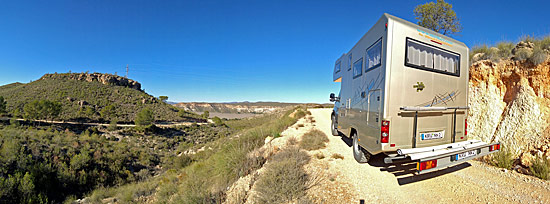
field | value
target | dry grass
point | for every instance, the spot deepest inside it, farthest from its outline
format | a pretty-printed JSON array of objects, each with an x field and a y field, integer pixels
[
  {"x": 313, "y": 140},
  {"x": 541, "y": 168},
  {"x": 502, "y": 159},
  {"x": 503, "y": 51},
  {"x": 291, "y": 141}
]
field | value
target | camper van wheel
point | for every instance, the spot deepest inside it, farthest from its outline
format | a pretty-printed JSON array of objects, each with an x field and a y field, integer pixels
[
  {"x": 333, "y": 126},
  {"x": 360, "y": 154}
]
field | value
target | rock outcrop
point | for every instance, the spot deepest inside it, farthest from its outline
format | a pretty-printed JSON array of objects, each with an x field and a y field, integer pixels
[
  {"x": 244, "y": 107},
  {"x": 509, "y": 103},
  {"x": 107, "y": 79}
]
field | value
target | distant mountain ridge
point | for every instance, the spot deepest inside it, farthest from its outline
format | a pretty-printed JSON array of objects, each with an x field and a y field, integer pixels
[{"x": 234, "y": 107}]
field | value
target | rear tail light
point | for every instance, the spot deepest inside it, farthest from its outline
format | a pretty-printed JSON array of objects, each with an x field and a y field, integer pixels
[
  {"x": 385, "y": 132},
  {"x": 465, "y": 127},
  {"x": 494, "y": 147},
  {"x": 426, "y": 165}
]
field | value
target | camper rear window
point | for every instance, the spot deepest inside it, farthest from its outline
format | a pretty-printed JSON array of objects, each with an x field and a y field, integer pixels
[
  {"x": 431, "y": 58},
  {"x": 358, "y": 68}
]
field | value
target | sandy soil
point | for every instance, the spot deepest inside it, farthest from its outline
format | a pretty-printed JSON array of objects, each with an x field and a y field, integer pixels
[{"x": 471, "y": 182}]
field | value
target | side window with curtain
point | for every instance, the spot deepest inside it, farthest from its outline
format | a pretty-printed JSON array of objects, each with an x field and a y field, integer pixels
[{"x": 431, "y": 58}]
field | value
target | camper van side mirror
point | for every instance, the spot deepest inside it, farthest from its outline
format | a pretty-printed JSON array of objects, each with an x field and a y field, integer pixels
[{"x": 333, "y": 98}]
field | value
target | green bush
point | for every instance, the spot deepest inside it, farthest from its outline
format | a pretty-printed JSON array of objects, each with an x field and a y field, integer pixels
[
  {"x": 313, "y": 140},
  {"x": 42, "y": 109},
  {"x": 205, "y": 115},
  {"x": 541, "y": 168},
  {"x": 502, "y": 159},
  {"x": 112, "y": 125},
  {"x": 217, "y": 120},
  {"x": 2, "y": 106},
  {"x": 144, "y": 117}
]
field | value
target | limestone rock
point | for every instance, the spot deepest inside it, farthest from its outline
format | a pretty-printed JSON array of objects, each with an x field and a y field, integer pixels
[
  {"x": 527, "y": 159},
  {"x": 510, "y": 103},
  {"x": 107, "y": 79},
  {"x": 523, "y": 45}
]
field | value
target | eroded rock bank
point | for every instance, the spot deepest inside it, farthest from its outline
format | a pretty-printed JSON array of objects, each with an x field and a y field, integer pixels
[{"x": 509, "y": 102}]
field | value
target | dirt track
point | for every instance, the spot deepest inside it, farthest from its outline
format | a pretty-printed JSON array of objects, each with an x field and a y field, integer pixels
[{"x": 471, "y": 182}]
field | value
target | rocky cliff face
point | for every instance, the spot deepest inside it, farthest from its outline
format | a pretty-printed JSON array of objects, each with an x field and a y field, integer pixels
[
  {"x": 227, "y": 107},
  {"x": 107, "y": 79},
  {"x": 510, "y": 103}
]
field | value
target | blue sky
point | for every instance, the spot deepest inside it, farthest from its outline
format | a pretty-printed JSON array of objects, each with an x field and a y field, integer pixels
[{"x": 222, "y": 51}]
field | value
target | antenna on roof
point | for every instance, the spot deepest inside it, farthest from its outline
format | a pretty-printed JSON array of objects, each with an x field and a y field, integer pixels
[{"x": 126, "y": 71}]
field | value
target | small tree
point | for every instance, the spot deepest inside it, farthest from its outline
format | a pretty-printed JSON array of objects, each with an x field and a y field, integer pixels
[
  {"x": 2, "y": 105},
  {"x": 163, "y": 98},
  {"x": 112, "y": 125},
  {"x": 51, "y": 109},
  {"x": 90, "y": 112},
  {"x": 217, "y": 120},
  {"x": 32, "y": 110},
  {"x": 42, "y": 109},
  {"x": 144, "y": 117},
  {"x": 108, "y": 112},
  {"x": 439, "y": 17},
  {"x": 206, "y": 114}
]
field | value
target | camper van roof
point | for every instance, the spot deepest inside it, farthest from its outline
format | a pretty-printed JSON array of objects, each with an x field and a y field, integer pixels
[
  {"x": 400, "y": 20},
  {"x": 407, "y": 23}
]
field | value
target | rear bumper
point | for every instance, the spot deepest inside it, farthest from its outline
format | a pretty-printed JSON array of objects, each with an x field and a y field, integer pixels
[{"x": 445, "y": 155}]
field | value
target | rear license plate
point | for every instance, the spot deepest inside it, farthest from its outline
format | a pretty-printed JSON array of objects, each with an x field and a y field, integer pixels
[
  {"x": 432, "y": 135},
  {"x": 467, "y": 154}
]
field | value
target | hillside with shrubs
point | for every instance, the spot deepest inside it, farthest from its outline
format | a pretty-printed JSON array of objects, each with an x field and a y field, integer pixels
[{"x": 91, "y": 97}]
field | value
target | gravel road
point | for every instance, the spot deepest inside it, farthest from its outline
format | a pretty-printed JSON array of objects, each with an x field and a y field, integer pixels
[{"x": 471, "y": 182}]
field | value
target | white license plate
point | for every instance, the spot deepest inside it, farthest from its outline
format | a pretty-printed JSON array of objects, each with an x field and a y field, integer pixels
[
  {"x": 432, "y": 135},
  {"x": 467, "y": 154}
]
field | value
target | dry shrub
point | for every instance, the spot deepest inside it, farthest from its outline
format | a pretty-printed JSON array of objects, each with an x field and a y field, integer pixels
[
  {"x": 292, "y": 141},
  {"x": 538, "y": 56},
  {"x": 313, "y": 140},
  {"x": 502, "y": 159},
  {"x": 285, "y": 179}
]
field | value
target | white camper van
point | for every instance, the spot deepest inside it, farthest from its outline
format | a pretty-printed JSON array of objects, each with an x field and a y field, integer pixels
[{"x": 404, "y": 93}]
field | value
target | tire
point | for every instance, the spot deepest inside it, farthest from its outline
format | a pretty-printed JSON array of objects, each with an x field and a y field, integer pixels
[
  {"x": 333, "y": 126},
  {"x": 360, "y": 154}
]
